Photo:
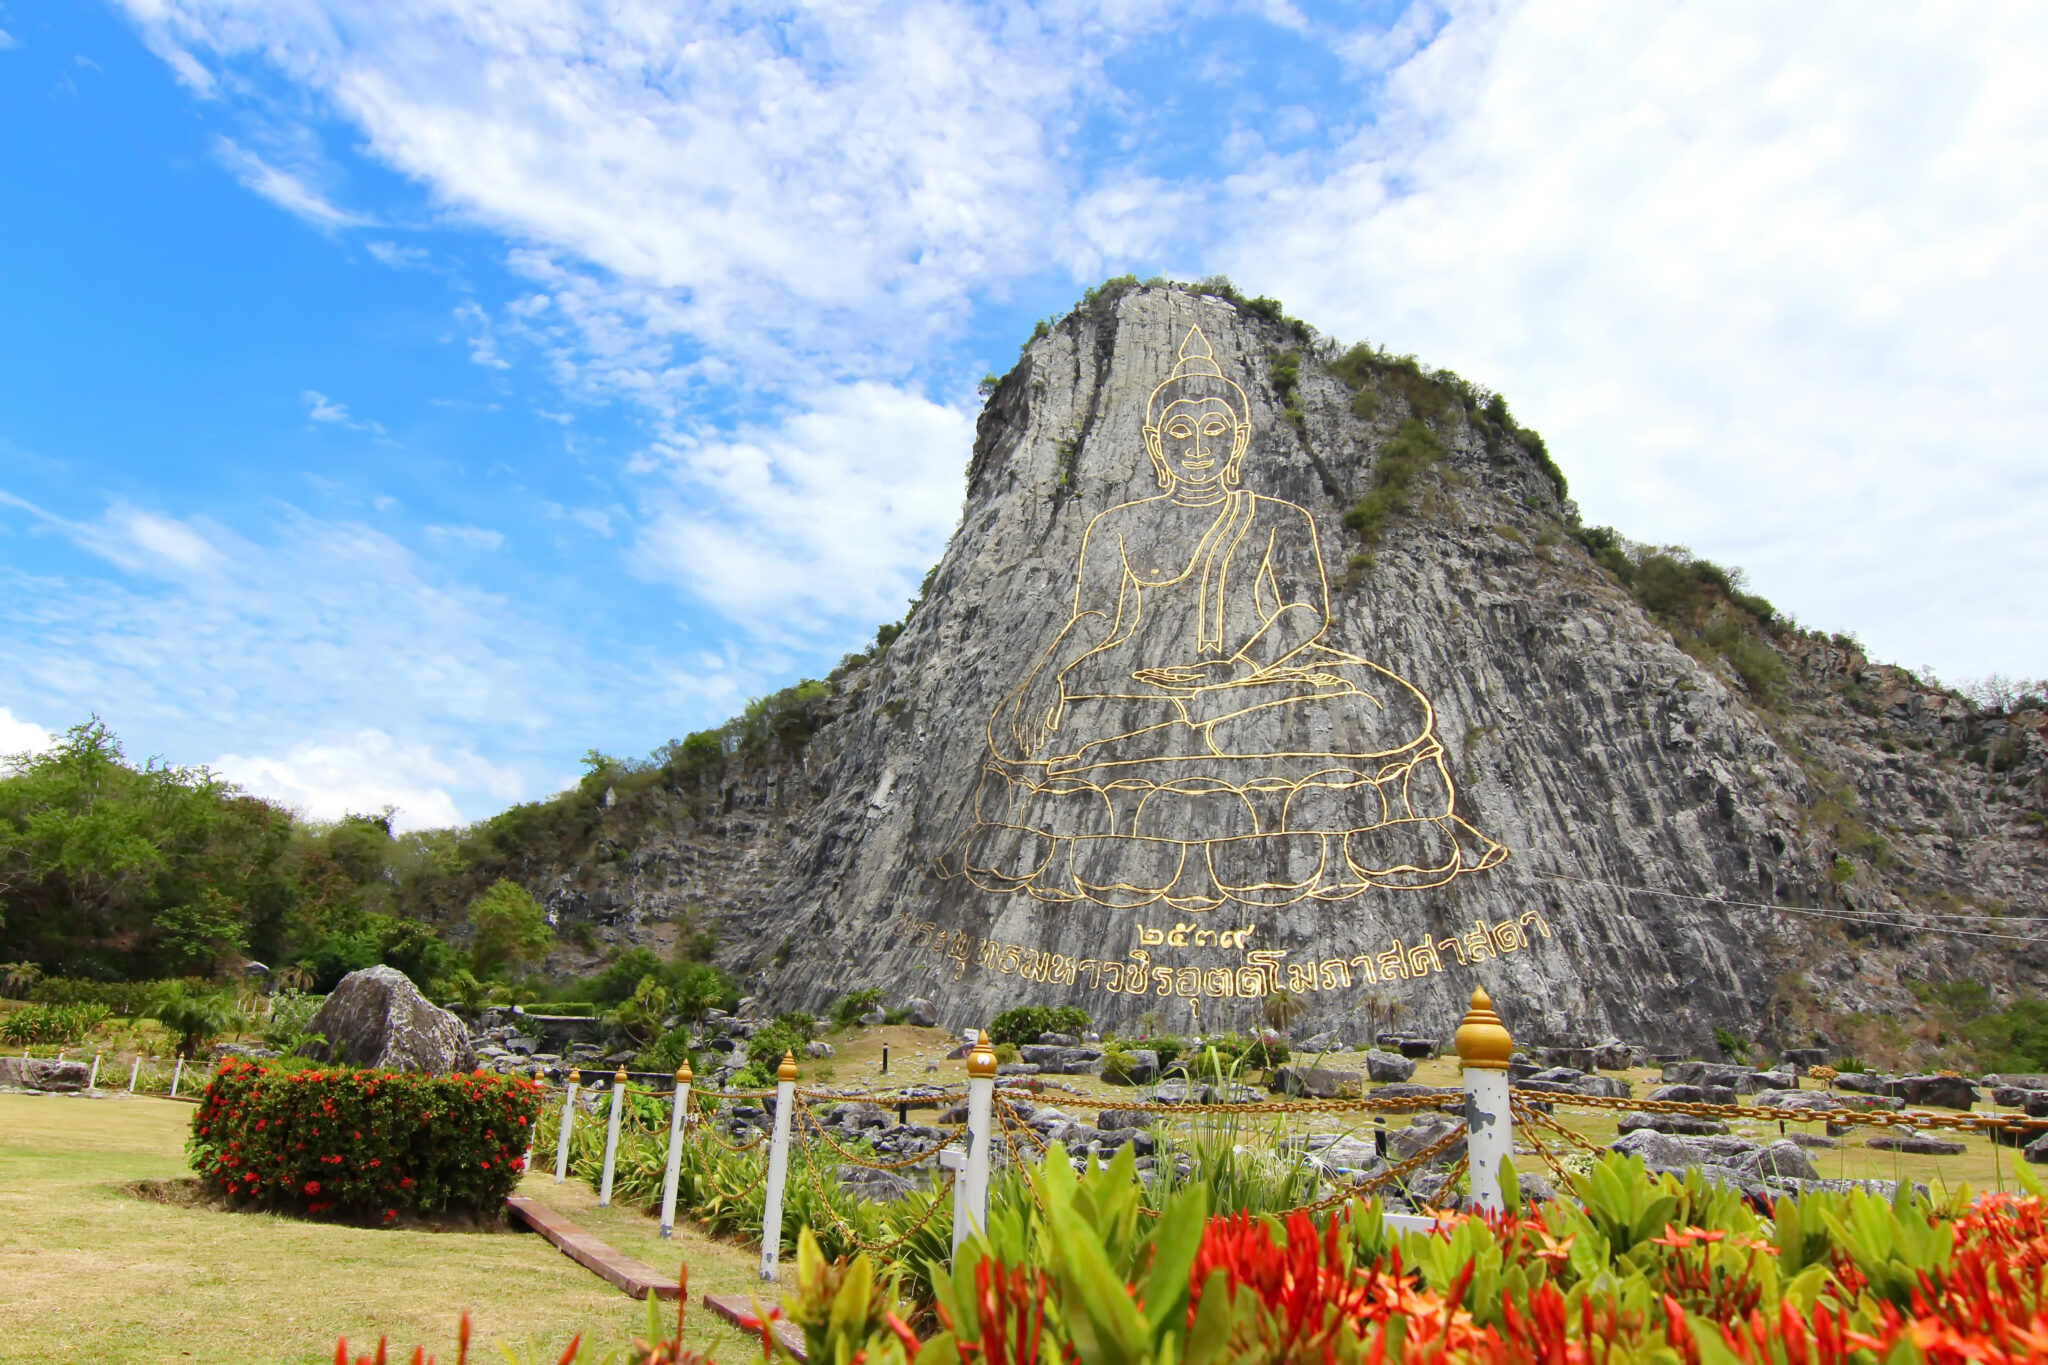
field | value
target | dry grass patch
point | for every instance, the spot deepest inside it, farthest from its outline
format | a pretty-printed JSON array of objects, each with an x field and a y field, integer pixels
[{"x": 93, "y": 1272}]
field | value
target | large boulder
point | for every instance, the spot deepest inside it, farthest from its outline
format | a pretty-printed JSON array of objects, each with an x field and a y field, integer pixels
[
  {"x": 1611, "y": 1054},
  {"x": 1659, "y": 1151},
  {"x": 43, "y": 1073},
  {"x": 1385, "y": 1067},
  {"x": 1798, "y": 1101},
  {"x": 1131, "y": 1066},
  {"x": 1607, "y": 1087},
  {"x": 1862, "y": 1082},
  {"x": 377, "y": 1017},
  {"x": 1942, "y": 1092},
  {"x": 922, "y": 1012}
]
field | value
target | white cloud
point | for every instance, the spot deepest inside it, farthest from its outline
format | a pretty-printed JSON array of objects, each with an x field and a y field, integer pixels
[
  {"x": 1769, "y": 280},
  {"x": 365, "y": 771},
  {"x": 469, "y": 537},
  {"x": 6, "y": 40},
  {"x": 21, "y": 736},
  {"x": 826, "y": 521},
  {"x": 396, "y": 256},
  {"x": 321, "y": 408},
  {"x": 284, "y": 188}
]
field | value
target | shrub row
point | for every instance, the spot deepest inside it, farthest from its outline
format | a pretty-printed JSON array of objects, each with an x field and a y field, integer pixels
[{"x": 363, "y": 1140}]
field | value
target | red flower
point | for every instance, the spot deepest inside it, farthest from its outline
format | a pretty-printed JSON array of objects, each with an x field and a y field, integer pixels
[{"x": 312, "y": 1186}]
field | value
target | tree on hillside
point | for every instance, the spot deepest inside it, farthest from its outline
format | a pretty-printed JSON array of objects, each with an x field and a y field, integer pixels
[
  {"x": 509, "y": 926},
  {"x": 107, "y": 869}
]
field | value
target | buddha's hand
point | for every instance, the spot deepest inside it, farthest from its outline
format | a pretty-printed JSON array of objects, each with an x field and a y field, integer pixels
[{"x": 1193, "y": 677}]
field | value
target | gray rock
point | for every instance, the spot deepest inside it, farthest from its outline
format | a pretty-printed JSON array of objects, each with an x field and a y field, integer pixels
[
  {"x": 2036, "y": 1105},
  {"x": 1704, "y": 1074},
  {"x": 1607, "y": 1087},
  {"x": 1342, "y": 1152},
  {"x": 2013, "y": 1096},
  {"x": 1658, "y": 1151},
  {"x": 1612, "y": 1054},
  {"x": 1059, "y": 1040},
  {"x": 1326, "y": 1041},
  {"x": 1685, "y": 1125},
  {"x": 874, "y": 1018},
  {"x": 1721, "y": 1148},
  {"x": 1681, "y": 1094},
  {"x": 876, "y": 1187},
  {"x": 817, "y": 1049},
  {"x": 2019, "y": 1080},
  {"x": 1562, "y": 1075},
  {"x": 2037, "y": 1150},
  {"x": 1805, "y": 1057},
  {"x": 922, "y": 1012},
  {"x": 1719, "y": 1094},
  {"x": 1758, "y": 1081},
  {"x": 1384, "y": 1067},
  {"x": 1941, "y": 1092},
  {"x": 1056, "y": 1060},
  {"x": 1017, "y": 1069},
  {"x": 1317, "y": 1082},
  {"x": 1139, "y": 1066},
  {"x": 1862, "y": 1082},
  {"x": 1812, "y": 1140},
  {"x": 1786, "y": 1159},
  {"x": 44, "y": 1073},
  {"x": 1419, "y": 1134},
  {"x": 1915, "y": 1144},
  {"x": 1798, "y": 1101},
  {"x": 376, "y": 1017}
]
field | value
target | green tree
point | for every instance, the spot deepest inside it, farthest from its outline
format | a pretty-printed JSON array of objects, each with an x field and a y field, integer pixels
[{"x": 509, "y": 926}]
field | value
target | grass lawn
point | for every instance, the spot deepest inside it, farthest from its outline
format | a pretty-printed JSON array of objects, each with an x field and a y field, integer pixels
[{"x": 89, "y": 1272}]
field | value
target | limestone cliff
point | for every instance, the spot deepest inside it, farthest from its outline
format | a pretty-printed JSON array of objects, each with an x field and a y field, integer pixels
[{"x": 1480, "y": 759}]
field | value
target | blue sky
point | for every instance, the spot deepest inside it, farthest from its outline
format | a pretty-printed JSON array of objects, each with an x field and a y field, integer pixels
[{"x": 398, "y": 399}]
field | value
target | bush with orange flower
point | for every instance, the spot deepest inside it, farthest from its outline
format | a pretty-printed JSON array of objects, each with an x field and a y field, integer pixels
[{"x": 363, "y": 1140}]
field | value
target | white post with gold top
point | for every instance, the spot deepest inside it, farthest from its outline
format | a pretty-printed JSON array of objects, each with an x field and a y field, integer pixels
[
  {"x": 611, "y": 1137},
  {"x": 778, "y": 1167},
  {"x": 1483, "y": 1051},
  {"x": 981, "y": 1095},
  {"x": 675, "y": 1148},
  {"x": 568, "y": 1117}
]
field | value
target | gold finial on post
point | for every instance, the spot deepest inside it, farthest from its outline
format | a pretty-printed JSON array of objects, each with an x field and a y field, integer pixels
[
  {"x": 575, "y": 1075},
  {"x": 787, "y": 1071},
  {"x": 981, "y": 1062},
  {"x": 619, "y": 1078},
  {"x": 683, "y": 1073},
  {"x": 1482, "y": 1040}
]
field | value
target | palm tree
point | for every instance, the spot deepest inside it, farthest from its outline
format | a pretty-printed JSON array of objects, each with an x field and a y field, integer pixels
[
  {"x": 20, "y": 977},
  {"x": 297, "y": 977}
]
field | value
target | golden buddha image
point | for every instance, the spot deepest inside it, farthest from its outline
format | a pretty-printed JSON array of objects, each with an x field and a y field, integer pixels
[{"x": 1188, "y": 738}]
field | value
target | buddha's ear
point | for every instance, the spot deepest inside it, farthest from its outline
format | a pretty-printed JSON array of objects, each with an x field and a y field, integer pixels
[
  {"x": 1238, "y": 445},
  {"x": 1158, "y": 455}
]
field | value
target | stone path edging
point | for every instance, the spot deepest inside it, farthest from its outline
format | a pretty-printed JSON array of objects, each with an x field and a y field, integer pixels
[{"x": 619, "y": 1270}]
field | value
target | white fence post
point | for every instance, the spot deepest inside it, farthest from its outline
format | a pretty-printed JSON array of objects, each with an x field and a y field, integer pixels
[
  {"x": 177, "y": 1074},
  {"x": 611, "y": 1137},
  {"x": 92, "y": 1082},
  {"x": 1484, "y": 1048},
  {"x": 675, "y": 1148},
  {"x": 568, "y": 1118},
  {"x": 778, "y": 1166},
  {"x": 954, "y": 1159},
  {"x": 981, "y": 1094},
  {"x": 134, "y": 1071}
]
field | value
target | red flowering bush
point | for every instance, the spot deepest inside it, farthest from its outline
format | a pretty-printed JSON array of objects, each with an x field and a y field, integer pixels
[{"x": 363, "y": 1140}]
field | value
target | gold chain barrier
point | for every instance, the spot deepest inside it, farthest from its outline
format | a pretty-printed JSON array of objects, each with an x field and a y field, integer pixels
[
  {"x": 852, "y": 1233},
  {"x": 812, "y": 1124},
  {"x": 1875, "y": 1118}
]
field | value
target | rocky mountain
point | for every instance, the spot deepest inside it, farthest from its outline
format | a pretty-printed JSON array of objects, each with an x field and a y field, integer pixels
[{"x": 1255, "y": 664}]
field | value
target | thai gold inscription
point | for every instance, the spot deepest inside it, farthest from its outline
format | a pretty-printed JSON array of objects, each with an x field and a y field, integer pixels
[
  {"x": 1258, "y": 973},
  {"x": 1191, "y": 737}
]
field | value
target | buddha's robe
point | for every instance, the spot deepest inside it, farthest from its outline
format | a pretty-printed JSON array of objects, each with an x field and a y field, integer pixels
[{"x": 1188, "y": 738}]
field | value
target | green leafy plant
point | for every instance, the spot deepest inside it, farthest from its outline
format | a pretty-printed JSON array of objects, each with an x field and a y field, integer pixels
[
  {"x": 1026, "y": 1022},
  {"x": 848, "y": 1009},
  {"x": 509, "y": 928}
]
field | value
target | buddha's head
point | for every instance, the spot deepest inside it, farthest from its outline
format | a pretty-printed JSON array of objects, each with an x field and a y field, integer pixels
[{"x": 1198, "y": 423}]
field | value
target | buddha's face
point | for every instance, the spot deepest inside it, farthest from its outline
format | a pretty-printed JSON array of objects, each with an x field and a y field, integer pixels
[{"x": 1197, "y": 441}]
